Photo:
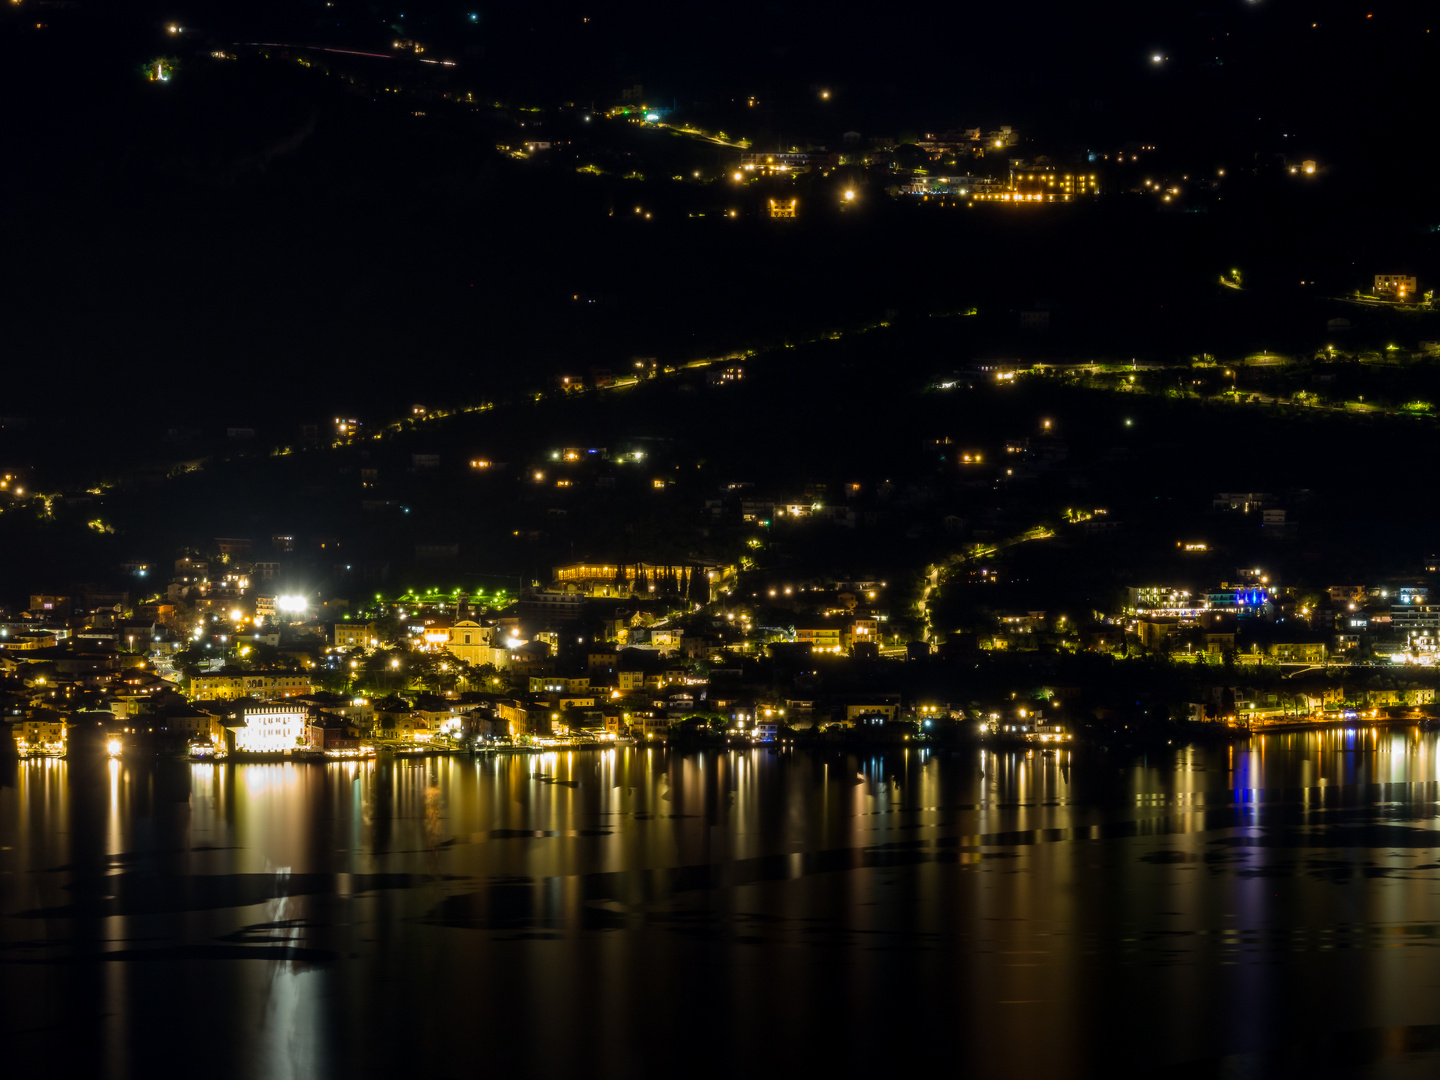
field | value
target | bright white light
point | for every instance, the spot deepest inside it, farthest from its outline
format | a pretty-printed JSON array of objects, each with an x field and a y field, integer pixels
[
  {"x": 295, "y": 605},
  {"x": 113, "y": 747}
]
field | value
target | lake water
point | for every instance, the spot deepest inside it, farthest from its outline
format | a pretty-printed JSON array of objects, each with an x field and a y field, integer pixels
[{"x": 1252, "y": 911}]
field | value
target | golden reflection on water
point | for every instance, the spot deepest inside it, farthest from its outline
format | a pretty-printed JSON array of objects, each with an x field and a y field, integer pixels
[
  {"x": 381, "y": 807},
  {"x": 1002, "y": 891}
]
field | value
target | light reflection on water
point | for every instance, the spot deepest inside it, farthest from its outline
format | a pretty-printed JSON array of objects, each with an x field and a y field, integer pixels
[{"x": 1218, "y": 909}]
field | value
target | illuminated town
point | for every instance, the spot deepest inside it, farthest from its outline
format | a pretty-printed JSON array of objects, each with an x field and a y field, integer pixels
[
  {"x": 737, "y": 624},
  {"x": 549, "y": 530}
]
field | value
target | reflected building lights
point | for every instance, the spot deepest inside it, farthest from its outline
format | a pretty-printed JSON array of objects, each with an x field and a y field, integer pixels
[{"x": 561, "y": 842}]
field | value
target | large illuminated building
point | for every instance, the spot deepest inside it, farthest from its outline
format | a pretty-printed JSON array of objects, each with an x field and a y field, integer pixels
[
  {"x": 355, "y": 635},
  {"x": 474, "y": 643},
  {"x": 43, "y": 734},
  {"x": 769, "y": 164},
  {"x": 1400, "y": 286},
  {"x": 1043, "y": 185},
  {"x": 269, "y": 729},
  {"x": 639, "y": 579},
  {"x": 232, "y": 684}
]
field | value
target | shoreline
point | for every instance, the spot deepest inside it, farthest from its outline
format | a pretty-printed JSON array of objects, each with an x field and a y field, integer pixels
[{"x": 1199, "y": 735}]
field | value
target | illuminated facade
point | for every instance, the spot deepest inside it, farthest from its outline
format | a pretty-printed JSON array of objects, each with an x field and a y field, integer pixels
[
  {"x": 1245, "y": 601},
  {"x": 1400, "y": 286},
  {"x": 560, "y": 684},
  {"x": 819, "y": 638},
  {"x": 648, "y": 726},
  {"x": 1043, "y": 185},
  {"x": 355, "y": 635},
  {"x": 270, "y": 729},
  {"x": 632, "y": 579},
  {"x": 1164, "y": 600},
  {"x": 476, "y": 644},
  {"x": 232, "y": 685},
  {"x": 862, "y": 631},
  {"x": 1417, "y": 624},
  {"x": 517, "y": 718},
  {"x": 43, "y": 736},
  {"x": 1297, "y": 652}
]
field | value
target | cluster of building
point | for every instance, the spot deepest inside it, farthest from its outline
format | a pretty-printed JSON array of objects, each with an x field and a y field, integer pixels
[
  {"x": 951, "y": 169},
  {"x": 608, "y": 650},
  {"x": 1393, "y": 622},
  {"x": 1256, "y": 707},
  {"x": 1247, "y": 619}
]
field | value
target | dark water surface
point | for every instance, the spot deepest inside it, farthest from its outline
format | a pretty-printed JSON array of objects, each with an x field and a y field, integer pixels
[{"x": 1256, "y": 911}]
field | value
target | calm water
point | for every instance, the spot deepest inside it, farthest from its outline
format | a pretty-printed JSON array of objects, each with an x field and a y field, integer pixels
[{"x": 1258, "y": 911}]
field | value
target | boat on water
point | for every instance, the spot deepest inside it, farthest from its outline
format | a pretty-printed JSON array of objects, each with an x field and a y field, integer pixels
[{"x": 204, "y": 750}]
